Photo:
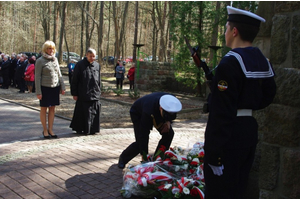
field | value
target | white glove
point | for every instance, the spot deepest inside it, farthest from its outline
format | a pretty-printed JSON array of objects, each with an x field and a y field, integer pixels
[{"x": 217, "y": 170}]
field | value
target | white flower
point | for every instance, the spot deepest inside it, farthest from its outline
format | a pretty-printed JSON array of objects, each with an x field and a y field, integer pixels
[
  {"x": 177, "y": 168},
  {"x": 185, "y": 166},
  {"x": 179, "y": 158},
  {"x": 189, "y": 180},
  {"x": 186, "y": 190},
  {"x": 167, "y": 186},
  {"x": 179, "y": 149}
]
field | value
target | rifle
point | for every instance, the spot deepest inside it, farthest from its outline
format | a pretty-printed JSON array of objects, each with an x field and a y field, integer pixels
[{"x": 199, "y": 63}]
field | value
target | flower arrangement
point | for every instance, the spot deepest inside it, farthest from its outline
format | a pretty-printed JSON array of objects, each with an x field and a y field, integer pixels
[{"x": 173, "y": 173}]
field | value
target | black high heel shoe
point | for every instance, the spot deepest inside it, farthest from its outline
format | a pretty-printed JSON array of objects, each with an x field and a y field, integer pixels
[
  {"x": 46, "y": 137},
  {"x": 54, "y": 136}
]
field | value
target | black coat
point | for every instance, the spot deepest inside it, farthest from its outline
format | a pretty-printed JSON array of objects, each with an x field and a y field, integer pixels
[
  {"x": 20, "y": 70},
  {"x": 86, "y": 81},
  {"x": 5, "y": 68},
  {"x": 13, "y": 66},
  {"x": 145, "y": 109}
]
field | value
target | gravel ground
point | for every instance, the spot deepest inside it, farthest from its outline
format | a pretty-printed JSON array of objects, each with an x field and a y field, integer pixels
[{"x": 114, "y": 114}]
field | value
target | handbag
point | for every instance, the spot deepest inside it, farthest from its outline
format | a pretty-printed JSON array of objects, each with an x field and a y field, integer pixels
[{"x": 27, "y": 78}]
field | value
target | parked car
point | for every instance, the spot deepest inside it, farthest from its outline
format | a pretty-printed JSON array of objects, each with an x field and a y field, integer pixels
[
  {"x": 29, "y": 54},
  {"x": 129, "y": 60},
  {"x": 110, "y": 59},
  {"x": 72, "y": 55},
  {"x": 150, "y": 58}
]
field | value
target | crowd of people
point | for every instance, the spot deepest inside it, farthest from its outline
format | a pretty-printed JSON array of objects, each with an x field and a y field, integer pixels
[{"x": 17, "y": 70}]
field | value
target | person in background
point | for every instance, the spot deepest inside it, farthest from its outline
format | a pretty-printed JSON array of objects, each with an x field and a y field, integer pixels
[
  {"x": 5, "y": 72},
  {"x": 116, "y": 68},
  {"x": 120, "y": 71},
  {"x": 158, "y": 109},
  {"x": 85, "y": 89},
  {"x": 243, "y": 82},
  {"x": 130, "y": 76},
  {"x": 34, "y": 60},
  {"x": 29, "y": 75},
  {"x": 12, "y": 69},
  {"x": 71, "y": 67},
  {"x": 49, "y": 84},
  {"x": 19, "y": 75}
]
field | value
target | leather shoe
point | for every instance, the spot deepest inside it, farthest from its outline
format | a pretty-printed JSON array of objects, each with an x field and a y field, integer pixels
[
  {"x": 46, "y": 137},
  {"x": 121, "y": 163},
  {"x": 54, "y": 136}
]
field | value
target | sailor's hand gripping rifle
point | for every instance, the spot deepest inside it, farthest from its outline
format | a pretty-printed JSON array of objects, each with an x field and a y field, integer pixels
[{"x": 199, "y": 63}]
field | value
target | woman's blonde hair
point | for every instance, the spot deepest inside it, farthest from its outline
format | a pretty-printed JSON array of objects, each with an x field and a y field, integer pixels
[{"x": 48, "y": 44}]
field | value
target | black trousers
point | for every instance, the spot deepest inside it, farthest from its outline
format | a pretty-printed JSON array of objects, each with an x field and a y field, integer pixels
[
  {"x": 135, "y": 148},
  {"x": 131, "y": 83},
  {"x": 21, "y": 84},
  {"x": 119, "y": 82},
  {"x": 233, "y": 183},
  {"x": 6, "y": 80},
  {"x": 70, "y": 77}
]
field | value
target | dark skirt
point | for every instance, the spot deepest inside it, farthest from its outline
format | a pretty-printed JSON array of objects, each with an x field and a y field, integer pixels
[
  {"x": 29, "y": 83},
  {"x": 86, "y": 117},
  {"x": 50, "y": 96}
]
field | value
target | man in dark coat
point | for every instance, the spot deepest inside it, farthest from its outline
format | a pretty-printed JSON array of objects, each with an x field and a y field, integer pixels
[
  {"x": 19, "y": 75},
  {"x": 85, "y": 89},
  {"x": 5, "y": 72},
  {"x": 243, "y": 82},
  {"x": 12, "y": 69},
  {"x": 157, "y": 109}
]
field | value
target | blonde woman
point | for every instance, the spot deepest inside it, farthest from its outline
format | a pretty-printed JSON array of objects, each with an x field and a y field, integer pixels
[{"x": 49, "y": 84}]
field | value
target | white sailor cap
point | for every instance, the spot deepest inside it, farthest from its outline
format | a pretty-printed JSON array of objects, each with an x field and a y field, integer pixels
[
  {"x": 170, "y": 103},
  {"x": 243, "y": 16}
]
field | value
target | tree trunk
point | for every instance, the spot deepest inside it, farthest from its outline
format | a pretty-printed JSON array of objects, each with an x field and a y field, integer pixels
[
  {"x": 65, "y": 37},
  {"x": 117, "y": 43},
  {"x": 87, "y": 37},
  {"x": 123, "y": 30},
  {"x": 154, "y": 33},
  {"x": 34, "y": 35},
  {"x": 135, "y": 30},
  {"x": 100, "y": 32},
  {"x": 55, "y": 20},
  {"x": 62, "y": 30},
  {"x": 44, "y": 13},
  {"x": 161, "y": 22},
  {"x": 108, "y": 33},
  {"x": 170, "y": 35},
  {"x": 199, "y": 86},
  {"x": 214, "y": 37},
  {"x": 82, "y": 30}
]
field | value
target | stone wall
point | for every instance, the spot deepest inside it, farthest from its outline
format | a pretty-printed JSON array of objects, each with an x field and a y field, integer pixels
[
  {"x": 159, "y": 76},
  {"x": 278, "y": 154}
]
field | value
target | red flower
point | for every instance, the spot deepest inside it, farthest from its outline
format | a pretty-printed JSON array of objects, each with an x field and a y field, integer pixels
[
  {"x": 201, "y": 154},
  {"x": 162, "y": 148},
  {"x": 193, "y": 192}
]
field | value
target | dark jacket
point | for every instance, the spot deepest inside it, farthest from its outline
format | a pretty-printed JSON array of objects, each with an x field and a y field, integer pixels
[
  {"x": 20, "y": 70},
  {"x": 146, "y": 111},
  {"x": 13, "y": 66},
  {"x": 86, "y": 81},
  {"x": 5, "y": 68}
]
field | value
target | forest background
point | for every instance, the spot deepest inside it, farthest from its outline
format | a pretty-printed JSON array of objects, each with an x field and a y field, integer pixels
[{"x": 112, "y": 27}]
